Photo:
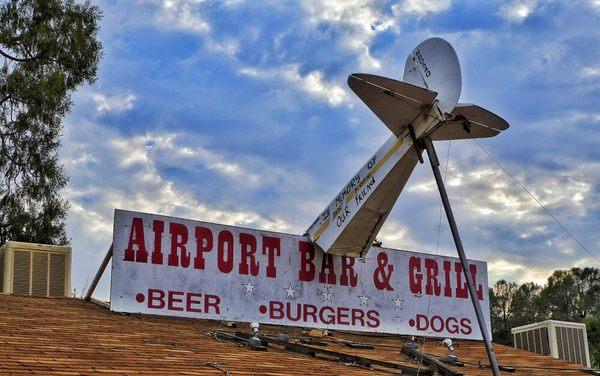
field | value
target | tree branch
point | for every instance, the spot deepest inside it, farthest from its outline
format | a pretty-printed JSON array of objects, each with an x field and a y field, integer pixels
[{"x": 19, "y": 59}]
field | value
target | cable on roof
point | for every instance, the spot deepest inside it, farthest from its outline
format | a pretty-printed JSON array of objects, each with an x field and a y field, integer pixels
[
  {"x": 215, "y": 365},
  {"x": 538, "y": 201}
]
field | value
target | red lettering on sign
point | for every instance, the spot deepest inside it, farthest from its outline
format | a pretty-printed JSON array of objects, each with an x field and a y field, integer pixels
[
  {"x": 461, "y": 290},
  {"x": 190, "y": 301},
  {"x": 175, "y": 300},
  {"x": 158, "y": 227},
  {"x": 289, "y": 314},
  {"x": 433, "y": 280},
  {"x": 310, "y": 311},
  {"x": 156, "y": 299},
  {"x": 212, "y": 301},
  {"x": 327, "y": 319},
  {"x": 452, "y": 325},
  {"x": 437, "y": 324},
  {"x": 342, "y": 316},
  {"x": 478, "y": 288},
  {"x": 225, "y": 263},
  {"x": 465, "y": 326},
  {"x": 373, "y": 317},
  {"x": 275, "y": 310},
  {"x": 307, "y": 266},
  {"x": 348, "y": 277},
  {"x": 204, "y": 244},
  {"x": 433, "y": 287},
  {"x": 247, "y": 261},
  {"x": 179, "y": 238},
  {"x": 327, "y": 273},
  {"x": 136, "y": 237},
  {"x": 414, "y": 275},
  {"x": 358, "y": 315},
  {"x": 272, "y": 247},
  {"x": 447, "y": 284},
  {"x": 327, "y": 315}
]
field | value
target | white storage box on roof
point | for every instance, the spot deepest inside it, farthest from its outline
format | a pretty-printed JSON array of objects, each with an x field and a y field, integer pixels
[
  {"x": 559, "y": 339},
  {"x": 35, "y": 269}
]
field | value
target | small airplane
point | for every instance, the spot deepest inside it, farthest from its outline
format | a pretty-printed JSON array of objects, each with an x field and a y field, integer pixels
[{"x": 422, "y": 107}]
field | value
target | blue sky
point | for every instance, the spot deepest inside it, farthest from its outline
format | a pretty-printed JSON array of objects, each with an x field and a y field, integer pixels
[{"x": 238, "y": 112}]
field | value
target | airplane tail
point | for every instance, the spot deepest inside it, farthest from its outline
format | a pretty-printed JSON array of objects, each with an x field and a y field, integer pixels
[
  {"x": 469, "y": 121},
  {"x": 398, "y": 104}
]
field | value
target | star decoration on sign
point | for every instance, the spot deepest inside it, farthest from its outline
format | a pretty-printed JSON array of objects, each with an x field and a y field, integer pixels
[
  {"x": 364, "y": 299},
  {"x": 290, "y": 292},
  {"x": 397, "y": 302},
  {"x": 326, "y": 295},
  {"x": 249, "y": 286}
]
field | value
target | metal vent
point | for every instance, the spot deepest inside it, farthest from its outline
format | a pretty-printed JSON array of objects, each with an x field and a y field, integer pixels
[
  {"x": 571, "y": 344},
  {"x": 22, "y": 272},
  {"x": 58, "y": 268},
  {"x": 534, "y": 340},
  {"x": 559, "y": 339},
  {"x": 39, "y": 275}
]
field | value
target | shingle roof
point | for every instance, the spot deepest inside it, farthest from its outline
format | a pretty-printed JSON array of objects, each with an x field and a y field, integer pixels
[{"x": 70, "y": 336}]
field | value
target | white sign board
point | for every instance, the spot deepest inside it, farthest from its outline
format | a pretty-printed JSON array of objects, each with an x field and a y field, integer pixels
[{"x": 178, "y": 267}]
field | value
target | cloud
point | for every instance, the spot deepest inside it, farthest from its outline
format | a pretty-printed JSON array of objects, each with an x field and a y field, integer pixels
[
  {"x": 518, "y": 10},
  {"x": 359, "y": 21},
  {"x": 591, "y": 72},
  {"x": 131, "y": 164},
  {"x": 421, "y": 7},
  {"x": 312, "y": 82},
  {"x": 184, "y": 15},
  {"x": 112, "y": 103}
]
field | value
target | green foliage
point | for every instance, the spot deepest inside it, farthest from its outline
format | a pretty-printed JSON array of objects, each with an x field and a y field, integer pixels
[
  {"x": 569, "y": 295},
  {"x": 593, "y": 331},
  {"x": 49, "y": 48}
]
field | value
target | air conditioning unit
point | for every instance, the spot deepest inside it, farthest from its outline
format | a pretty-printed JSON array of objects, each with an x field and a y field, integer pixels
[
  {"x": 35, "y": 269},
  {"x": 559, "y": 339}
]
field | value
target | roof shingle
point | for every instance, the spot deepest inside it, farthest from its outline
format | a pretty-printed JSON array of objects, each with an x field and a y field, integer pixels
[{"x": 73, "y": 337}]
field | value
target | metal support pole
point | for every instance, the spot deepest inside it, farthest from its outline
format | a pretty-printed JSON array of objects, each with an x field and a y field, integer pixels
[
  {"x": 461, "y": 254},
  {"x": 90, "y": 291}
]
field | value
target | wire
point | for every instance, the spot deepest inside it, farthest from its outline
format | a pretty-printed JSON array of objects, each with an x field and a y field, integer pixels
[
  {"x": 538, "y": 201},
  {"x": 437, "y": 243}
]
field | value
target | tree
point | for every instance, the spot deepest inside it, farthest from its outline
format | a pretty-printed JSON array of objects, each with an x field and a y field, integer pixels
[
  {"x": 501, "y": 297},
  {"x": 593, "y": 333},
  {"x": 561, "y": 296},
  {"x": 587, "y": 282},
  {"x": 569, "y": 295},
  {"x": 49, "y": 48},
  {"x": 527, "y": 306}
]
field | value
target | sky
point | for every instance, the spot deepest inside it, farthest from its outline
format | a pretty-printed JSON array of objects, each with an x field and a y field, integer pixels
[{"x": 238, "y": 112}]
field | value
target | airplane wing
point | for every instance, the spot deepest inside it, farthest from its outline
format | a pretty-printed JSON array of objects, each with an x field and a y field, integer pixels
[
  {"x": 352, "y": 220},
  {"x": 396, "y": 103},
  {"x": 483, "y": 123}
]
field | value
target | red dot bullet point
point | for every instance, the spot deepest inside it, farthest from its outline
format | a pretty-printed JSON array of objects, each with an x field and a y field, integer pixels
[
  {"x": 411, "y": 322},
  {"x": 140, "y": 297},
  {"x": 262, "y": 309}
]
